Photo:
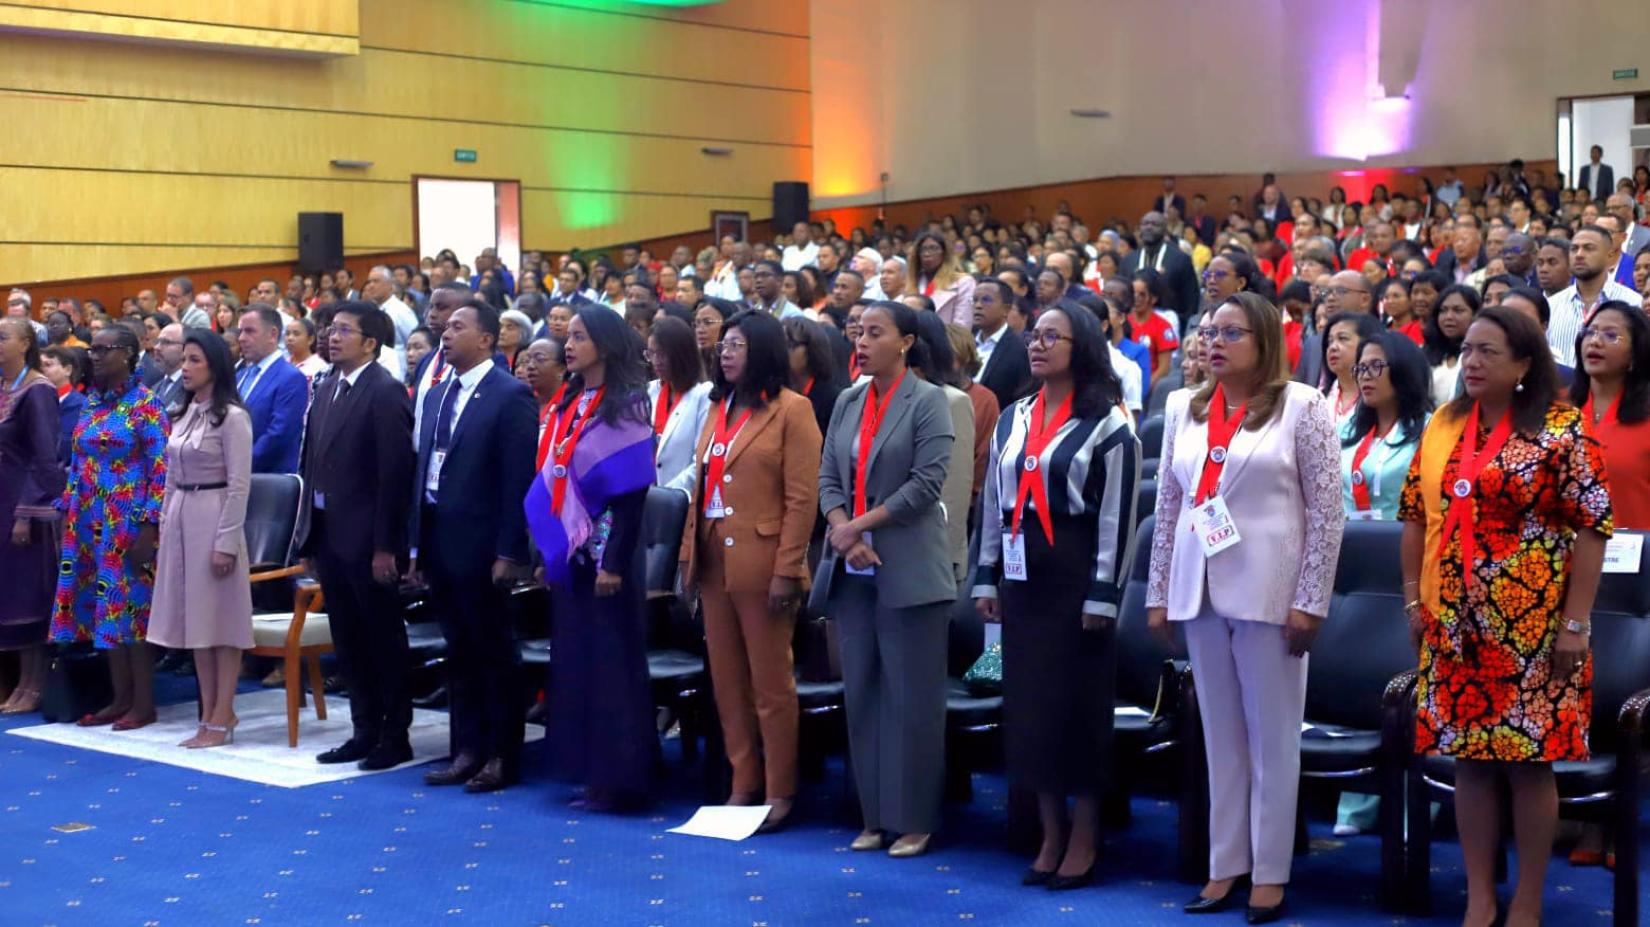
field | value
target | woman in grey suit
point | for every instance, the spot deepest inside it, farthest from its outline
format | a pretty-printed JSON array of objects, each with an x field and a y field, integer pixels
[{"x": 884, "y": 464}]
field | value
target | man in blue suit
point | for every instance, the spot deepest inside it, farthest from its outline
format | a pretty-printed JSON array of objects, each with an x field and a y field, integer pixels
[
  {"x": 275, "y": 392},
  {"x": 476, "y": 445}
]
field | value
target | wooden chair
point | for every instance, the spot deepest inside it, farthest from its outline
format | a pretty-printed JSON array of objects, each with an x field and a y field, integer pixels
[{"x": 303, "y": 634}]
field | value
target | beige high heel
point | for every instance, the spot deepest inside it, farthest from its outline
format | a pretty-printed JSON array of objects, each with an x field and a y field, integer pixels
[{"x": 215, "y": 735}]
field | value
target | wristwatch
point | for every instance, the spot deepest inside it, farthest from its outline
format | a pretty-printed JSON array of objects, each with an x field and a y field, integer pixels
[{"x": 1576, "y": 627}]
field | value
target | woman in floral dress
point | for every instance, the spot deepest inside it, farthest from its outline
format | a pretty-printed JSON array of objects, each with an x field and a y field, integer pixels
[
  {"x": 111, "y": 507},
  {"x": 1507, "y": 511}
]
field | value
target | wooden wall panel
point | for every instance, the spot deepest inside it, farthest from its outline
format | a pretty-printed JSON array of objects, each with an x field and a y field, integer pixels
[
  {"x": 330, "y": 17},
  {"x": 260, "y": 27}
]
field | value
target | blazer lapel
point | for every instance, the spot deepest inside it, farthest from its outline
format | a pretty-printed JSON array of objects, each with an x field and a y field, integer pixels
[
  {"x": 747, "y": 435},
  {"x": 472, "y": 407},
  {"x": 1244, "y": 444},
  {"x": 898, "y": 409},
  {"x": 337, "y": 409}
]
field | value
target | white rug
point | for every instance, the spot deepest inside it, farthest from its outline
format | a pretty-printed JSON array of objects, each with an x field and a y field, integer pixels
[{"x": 260, "y": 752}]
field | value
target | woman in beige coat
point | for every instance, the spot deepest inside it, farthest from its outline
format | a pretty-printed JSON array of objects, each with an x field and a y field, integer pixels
[{"x": 203, "y": 601}]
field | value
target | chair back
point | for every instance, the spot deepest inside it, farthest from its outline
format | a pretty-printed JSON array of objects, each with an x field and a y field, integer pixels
[
  {"x": 1163, "y": 386},
  {"x": 1621, "y": 650},
  {"x": 1145, "y": 506},
  {"x": 272, "y": 504},
  {"x": 1364, "y": 641},
  {"x": 1151, "y": 438},
  {"x": 664, "y": 518},
  {"x": 1139, "y": 656},
  {"x": 965, "y": 637}
]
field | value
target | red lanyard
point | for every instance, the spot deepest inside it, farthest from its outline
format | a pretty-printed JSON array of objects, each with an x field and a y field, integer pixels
[
  {"x": 1221, "y": 431},
  {"x": 546, "y": 434},
  {"x": 721, "y": 441},
  {"x": 1032, "y": 482},
  {"x": 1472, "y": 464},
  {"x": 808, "y": 387},
  {"x": 928, "y": 290},
  {"x": 869, "y": 424},
  {"x": 1609, "y": 414},
  {"x": 1360, "y": 486},
  {"x": 440, "y": 365},
  {"x": 570, "y": 426},
  {"x": 663, "y": 407}
]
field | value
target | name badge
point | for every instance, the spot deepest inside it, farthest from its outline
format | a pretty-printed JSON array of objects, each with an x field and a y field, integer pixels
[
  {"x": 432, "y": 479},
  {"x": 320, "y": 500},
  {"x": 1213, "y": 523},
  {"x": 1369, "y": 515},
  {"x": 1623, "y": 553},
  {"x": 1014, "y": 556},
  {"x": 868, "y": 571}
]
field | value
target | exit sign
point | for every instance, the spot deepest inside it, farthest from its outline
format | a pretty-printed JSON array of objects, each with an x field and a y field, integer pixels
[
  {"x": 1624, "y": 74},
  {"x": 468, "y": 155}
]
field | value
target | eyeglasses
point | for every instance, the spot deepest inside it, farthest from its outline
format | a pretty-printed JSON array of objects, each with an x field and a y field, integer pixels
[
  {"x": 705, "y": 323},
  {"x": 734, "y": 347},
  {"x": 1212, "y": 274},
  {"x": 1611, "y": 336},
  {"x": 343, "y": 331},
  {"x": 1231, "y": 334},
  {"x": 1048, "y": 338},
  {"x": 1369, "y": 371},
  {"x": 1342, "y": 292}
]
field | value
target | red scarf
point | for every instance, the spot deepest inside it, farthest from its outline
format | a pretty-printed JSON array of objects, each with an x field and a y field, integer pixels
[
  {"x": 1360, "y": 486},
  {"x": 665, "y": 405},
  {"x": 721, "y": 442},
  {"x": 869, "y": 424},
  {"x": 546, "y": 434},
  {"x": 1462, "y": 510},
  {"x": 570, "y": 427},
  {"x": 1221, "y": 431},
  {"x": 1032, "y": 481}
]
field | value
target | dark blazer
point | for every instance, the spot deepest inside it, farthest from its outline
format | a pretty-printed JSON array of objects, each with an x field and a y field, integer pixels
[
  {"x": 1309, "y": 369},
  {"x": 358, "y": 452},
  {"x": 68, "y": 416},
  {"x": 148, "y": 369},
  {"x": 1447, "y": 262},
  {"x": 823, "y": 399},
  {"x": 1178, "y": 274},
  {"x": 1008, "y": 372},
  {"x": 277, "y": 408},
  {"x": 1175, "y": 200},
  {"x": 1606, "y": 173},
  {"x": 485, "y": 477}
]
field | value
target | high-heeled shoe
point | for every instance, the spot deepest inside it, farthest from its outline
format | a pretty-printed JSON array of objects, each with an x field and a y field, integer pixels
[
  {"x": 1034, "y": 877},
  {"x": 194, "y": 741},
  {"x": 1060, "y": 883},
  {"x": 1202, "y": 905},
  {"x": 216, "y": 735},
  {"x": 868, "y": 840},
  {"x": 29, "y": 702},
  {"x": 778, "y": 816},
  {"x": 909, "y": 845},
  {"x": 132, "y": 724}
]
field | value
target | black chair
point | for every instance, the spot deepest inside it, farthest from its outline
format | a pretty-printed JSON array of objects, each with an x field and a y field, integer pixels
[
  {"x": 1145, "y": 506},
  {"x": 1605, "y": 788},
  {"x": 676, "y": 669},
  {"x": 1162, "y": 387},
  {"x": 973, "y": 719},
  {"x": 1144, "y": 725},
  {"x": 299, "y": 636},
  {"x": 1151, "y": 438}
]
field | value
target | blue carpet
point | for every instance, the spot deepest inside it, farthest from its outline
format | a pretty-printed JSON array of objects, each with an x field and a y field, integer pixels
[{"x": 170, "y": 846}]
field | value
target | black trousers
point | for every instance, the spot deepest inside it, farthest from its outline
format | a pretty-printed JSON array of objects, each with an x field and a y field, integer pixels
[
  {"x": 486, "y": 714},
  {"x": 370, "y": 637}
]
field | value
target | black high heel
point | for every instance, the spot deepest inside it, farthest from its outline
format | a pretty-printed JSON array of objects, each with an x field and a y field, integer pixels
[
  {"x": 1202, "y": 905},
  {"x": 1060, "y": 883},
  {"x": 1034, "y": 877}
]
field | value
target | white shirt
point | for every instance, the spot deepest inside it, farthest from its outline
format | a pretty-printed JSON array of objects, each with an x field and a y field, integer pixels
[
  {"x": 986, "y": 345},
  {"x": 724, "y": 283},
  {"x": 1596, "y": 176},
  {"x": 404, "y": 319},
  {"x": 795, "y": 258},
  {"x": 465, "y": 383},
  {"x": 1569, "y": 311},
  {"x": 1129, "y": 372}
]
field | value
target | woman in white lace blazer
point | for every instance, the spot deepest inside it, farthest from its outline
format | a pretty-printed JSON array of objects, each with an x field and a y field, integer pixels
[{"x": 1243, "y": 556}]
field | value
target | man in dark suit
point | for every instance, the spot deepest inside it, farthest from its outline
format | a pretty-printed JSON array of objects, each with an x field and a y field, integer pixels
[
  {"x": 1165, "y": 257},
  {"x": 167, "y": 358},
  {"x": 478, "y": 438},
  {"x": 1597, "y": 178},
  {"x": 275, "y": 392},
  {"x": 1169, "y": 198},
  {"x": 570, "y": 288},
  {"x": 357, "y": 467},
  {"x": 1466, "y": 251},
  {"x": 1005, "y": 369}
]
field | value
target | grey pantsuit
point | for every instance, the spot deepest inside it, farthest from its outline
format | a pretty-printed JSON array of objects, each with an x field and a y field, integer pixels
[{"x": 893, "y": 661}]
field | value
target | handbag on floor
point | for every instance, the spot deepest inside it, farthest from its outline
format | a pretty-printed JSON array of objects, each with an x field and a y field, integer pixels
[
  {"x": 985, "y": 677},
  {"x": 77, "y": 684}
]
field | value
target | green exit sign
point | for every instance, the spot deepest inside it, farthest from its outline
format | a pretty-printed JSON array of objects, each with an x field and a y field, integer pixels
[
  {"x": 1624, "y": 74},
  {"x": 464, "y": 155}
]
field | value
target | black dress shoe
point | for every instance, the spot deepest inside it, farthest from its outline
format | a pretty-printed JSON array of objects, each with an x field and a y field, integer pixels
[
  {"x": 1266, "y": 915},
  {"x": 1034, "y": 876},
  {"x": 350, "y": 751},
  {"x": 460, "y": 770},
  {"x": 1060, "y": 883},
  {"x": 492, "y": 777},
  {"x": 386, "y": 756},
  {"x": 1202, "y": 905}
]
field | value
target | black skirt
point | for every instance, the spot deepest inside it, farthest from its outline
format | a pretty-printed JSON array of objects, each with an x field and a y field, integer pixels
[{"x": 1059, "y": 681}]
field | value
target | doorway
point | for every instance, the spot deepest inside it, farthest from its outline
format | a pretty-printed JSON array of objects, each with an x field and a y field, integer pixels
[{"x": 467, "y": 216}]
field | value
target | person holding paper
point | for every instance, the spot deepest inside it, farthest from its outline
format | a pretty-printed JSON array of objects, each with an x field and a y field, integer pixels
[
  {"x": 1052, "y": 566},
  {"x": 1612, "y": 389},
  {"x": 886, "y": 577},
  {"x": 753, "y": 480},
  {"x": 1506, "y": 495},
  {"x": 1249, "y": 528}
]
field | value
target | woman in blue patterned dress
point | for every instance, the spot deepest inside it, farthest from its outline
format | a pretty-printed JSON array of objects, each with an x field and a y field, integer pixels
[{"x": 111, "y": 509}]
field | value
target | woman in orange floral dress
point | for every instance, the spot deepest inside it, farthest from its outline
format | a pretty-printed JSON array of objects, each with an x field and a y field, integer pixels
[{"x": 1506, "y": 513}]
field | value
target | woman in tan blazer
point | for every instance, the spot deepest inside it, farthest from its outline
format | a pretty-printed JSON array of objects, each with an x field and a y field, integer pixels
[{"x": 753, "y": 482}]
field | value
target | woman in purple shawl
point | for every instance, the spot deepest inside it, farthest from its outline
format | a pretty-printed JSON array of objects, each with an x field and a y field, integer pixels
[
  {"x": 585, "y": 512},
  {"x": 31, "y": 479}
]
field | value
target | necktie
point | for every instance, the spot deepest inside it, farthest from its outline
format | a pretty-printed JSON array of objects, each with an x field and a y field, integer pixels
[
  {"x": 241, "y": 378},
  {"x": 444, "y": 418}
]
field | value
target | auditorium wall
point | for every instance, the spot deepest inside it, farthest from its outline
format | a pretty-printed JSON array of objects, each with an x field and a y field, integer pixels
[
  {"x": 160, "y": 153},
  {"x": 957, "y": 96}
]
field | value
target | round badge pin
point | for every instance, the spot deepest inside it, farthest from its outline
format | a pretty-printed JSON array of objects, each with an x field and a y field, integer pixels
[
  {"x": 1357, "y": 477},
  {"x": 1462, "y": 489},
  {"x": 558, "y": 471},
  {"x": 718, "y": 449},
  {"x": 1031, "y": 464},
  {"x": 1217, "y": 454}
]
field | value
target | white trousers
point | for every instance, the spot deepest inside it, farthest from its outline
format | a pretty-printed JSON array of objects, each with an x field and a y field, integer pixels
[{"x": 1252, "y": 695}]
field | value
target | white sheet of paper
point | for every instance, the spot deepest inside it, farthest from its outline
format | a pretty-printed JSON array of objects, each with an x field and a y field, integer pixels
[
  {"x": 724, "y": 822},
  {"x": 1623, "y": 553}
]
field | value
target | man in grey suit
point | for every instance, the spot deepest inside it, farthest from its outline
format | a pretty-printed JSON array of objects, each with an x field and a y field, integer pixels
[
  {"x": 886, "y": 579},
  {"x": 169, "y": 363}
]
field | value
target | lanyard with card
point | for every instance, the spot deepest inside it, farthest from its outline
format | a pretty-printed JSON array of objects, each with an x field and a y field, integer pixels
[
  {"x": 1038, "y": 437},
  {"x": 570, "y": 426},
  {"x": 1360, "y": 484},
  {"x": 721, "y": 444},
  {"x": 1212, "y": 521}
]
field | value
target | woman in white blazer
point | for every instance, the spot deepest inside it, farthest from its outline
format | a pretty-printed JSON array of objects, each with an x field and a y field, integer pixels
[
  {"x": 934, "y": 271},
  {"x": 679, "y": 398},
  {"x": 1249, "y": 523}
]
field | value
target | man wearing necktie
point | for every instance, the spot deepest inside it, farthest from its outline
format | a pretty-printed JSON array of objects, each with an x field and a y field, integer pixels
[
  {"x": 168, "y": 357},
  {"x": 358, "y": 472},
  {"x": 476, "y": 444},
  {"x": 273, "y": 391}
]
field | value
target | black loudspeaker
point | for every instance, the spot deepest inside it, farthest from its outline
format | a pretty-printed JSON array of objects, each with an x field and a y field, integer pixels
[
  {"x": 320, "y": 241},
  {"x": 790, "y": 204}
]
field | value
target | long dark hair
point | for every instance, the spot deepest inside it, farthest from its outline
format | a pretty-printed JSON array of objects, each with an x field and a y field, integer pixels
[
  {"x": 681, "y": 352},
  {"x": 811, "y": 337},
  {"x": 905, "y": 322},
  {"x": 620, "y": 348},
  {"x": 1411, "y": 384},
  {"x": 1096, "y": 390},
  {"x": 767, "y": 360},
  {"x": 220, "y": 366},
  {"x": 941, "y": 366},
  {"x": 1365, "y": 325},
  {"x": 1528, "y": 342},
  {"x": 1635, "y": 385},
  {"x": 1437, "y": 346}
]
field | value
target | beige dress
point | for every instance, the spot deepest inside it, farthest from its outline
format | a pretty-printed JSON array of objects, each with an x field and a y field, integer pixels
[{"x": 192, "y": 607}]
